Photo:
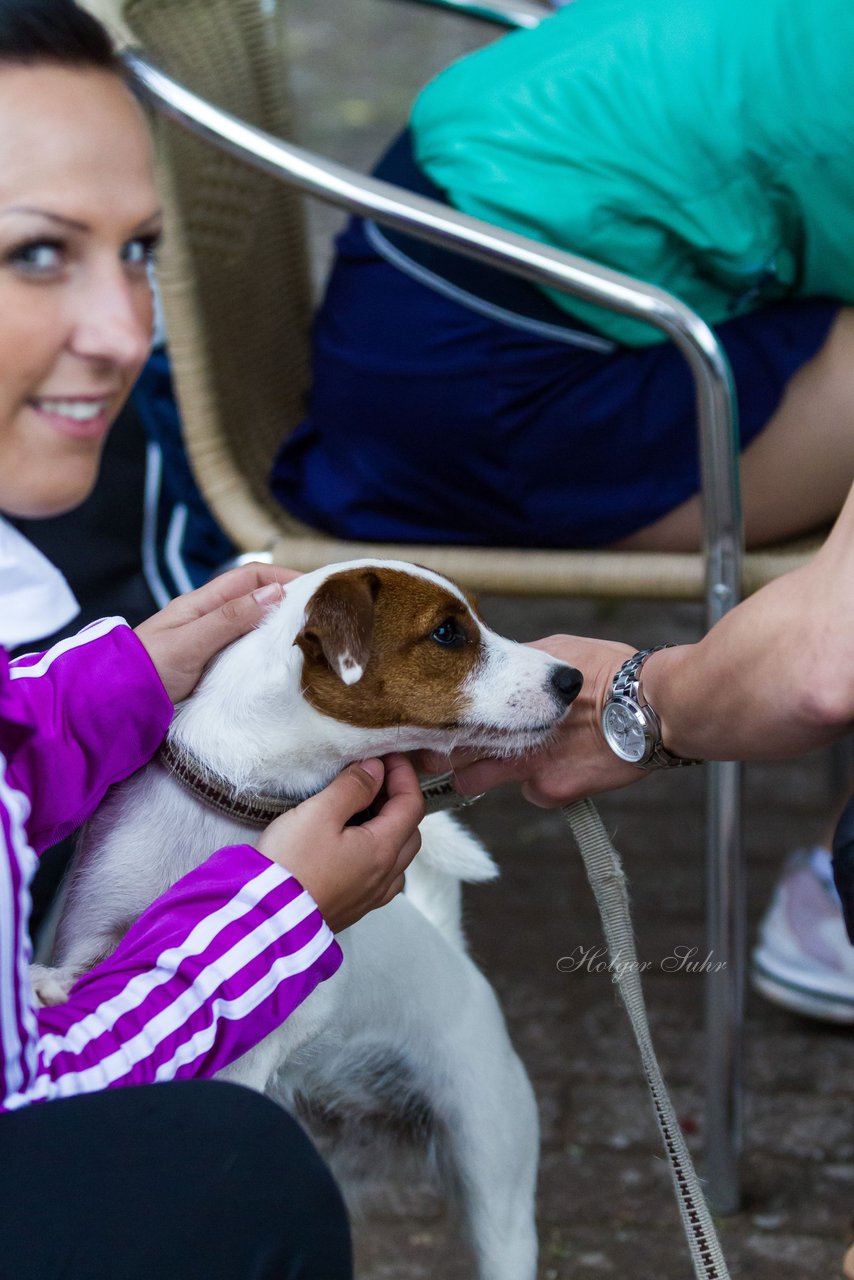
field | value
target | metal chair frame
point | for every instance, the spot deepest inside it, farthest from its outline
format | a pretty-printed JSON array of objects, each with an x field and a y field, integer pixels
[
  {"x": 723, "y": 542},
  {"x": 505, "y": 13}
]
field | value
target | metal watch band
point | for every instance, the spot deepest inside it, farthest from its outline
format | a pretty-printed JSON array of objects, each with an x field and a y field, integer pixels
[{"x": 627, "y": 685}]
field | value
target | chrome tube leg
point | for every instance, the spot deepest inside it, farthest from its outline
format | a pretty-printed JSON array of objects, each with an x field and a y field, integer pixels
[{"x": 725, "y": 981}]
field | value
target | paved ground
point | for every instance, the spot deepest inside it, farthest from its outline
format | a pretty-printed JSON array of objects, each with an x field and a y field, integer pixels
[{"x": 605, "y": 1205}]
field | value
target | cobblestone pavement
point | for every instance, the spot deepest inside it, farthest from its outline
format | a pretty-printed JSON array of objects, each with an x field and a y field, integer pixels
[{"x": 605, "y": 1205}]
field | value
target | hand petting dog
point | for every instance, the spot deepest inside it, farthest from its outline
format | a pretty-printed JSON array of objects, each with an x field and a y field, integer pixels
[
  {"x": 350, "y": 871},
  {"x": 182, "y": 638}
]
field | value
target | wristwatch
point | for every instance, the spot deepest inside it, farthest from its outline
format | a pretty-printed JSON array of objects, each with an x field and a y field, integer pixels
[{"x": 631, "y": 727}]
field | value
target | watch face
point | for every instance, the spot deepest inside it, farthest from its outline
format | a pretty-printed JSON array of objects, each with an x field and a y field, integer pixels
[{"x": 623, "y": 733}]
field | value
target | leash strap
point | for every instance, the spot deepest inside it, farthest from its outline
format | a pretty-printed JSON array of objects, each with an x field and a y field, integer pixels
[{"x": 608, "y": 882}]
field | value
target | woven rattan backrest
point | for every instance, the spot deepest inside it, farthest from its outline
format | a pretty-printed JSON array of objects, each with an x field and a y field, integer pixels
[{"x": 233, "y": 271}]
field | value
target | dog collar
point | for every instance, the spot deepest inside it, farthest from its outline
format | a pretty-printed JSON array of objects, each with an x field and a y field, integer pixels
[
  {"x": 195, "y": 776},
  {"x": 260, "y": 810}
]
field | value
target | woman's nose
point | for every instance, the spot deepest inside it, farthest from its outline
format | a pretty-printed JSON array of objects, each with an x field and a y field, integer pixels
[{"x": 114, "y": 319}]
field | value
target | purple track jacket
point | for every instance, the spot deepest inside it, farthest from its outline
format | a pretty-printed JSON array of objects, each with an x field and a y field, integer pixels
[{"x": 207, "y": 971}]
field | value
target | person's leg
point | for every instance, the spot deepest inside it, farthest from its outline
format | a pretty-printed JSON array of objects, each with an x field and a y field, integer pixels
[
  {"x": 796, "y": 473},
  {"x": 435, "y": 420},
  {"x": 191, "y": 1181}
]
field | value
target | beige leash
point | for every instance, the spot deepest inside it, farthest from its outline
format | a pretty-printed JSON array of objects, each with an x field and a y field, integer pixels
[{"x": 608, "y": 882}]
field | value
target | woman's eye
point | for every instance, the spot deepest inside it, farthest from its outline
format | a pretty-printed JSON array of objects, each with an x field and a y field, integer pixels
[
  {"x": 448, "y": 633},
  {"x": 141, "y": 251},
  {"x": 38, "y": 257}
]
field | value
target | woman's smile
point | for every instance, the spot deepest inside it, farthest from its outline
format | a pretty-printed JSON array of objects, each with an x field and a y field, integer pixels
[{"x": 82, "y": 418}]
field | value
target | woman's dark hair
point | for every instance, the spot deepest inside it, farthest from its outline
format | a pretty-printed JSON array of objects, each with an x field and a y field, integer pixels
[{"x": 55, "y": 31}]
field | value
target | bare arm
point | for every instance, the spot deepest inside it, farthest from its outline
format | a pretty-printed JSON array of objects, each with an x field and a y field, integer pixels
[{"x": 774, "y": 678}]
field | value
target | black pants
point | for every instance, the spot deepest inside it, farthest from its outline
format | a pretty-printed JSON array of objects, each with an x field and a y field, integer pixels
[{"x": 188, "y": 1181}]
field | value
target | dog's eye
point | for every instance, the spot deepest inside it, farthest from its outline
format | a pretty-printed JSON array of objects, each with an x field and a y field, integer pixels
[{"x": 448, "y": 634}]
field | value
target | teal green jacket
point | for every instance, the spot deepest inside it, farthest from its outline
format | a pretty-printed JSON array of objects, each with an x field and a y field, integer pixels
[{"x": 706, "y": 146}]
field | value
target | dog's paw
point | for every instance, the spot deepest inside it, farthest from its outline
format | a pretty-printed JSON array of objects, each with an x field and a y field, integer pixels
[{"x": 51, "y": 986}]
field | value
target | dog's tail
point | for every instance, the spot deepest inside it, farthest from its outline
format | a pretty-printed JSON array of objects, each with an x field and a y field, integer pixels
[
  {"x": 449, "y": 849},
  {"x": 449, "y": 855}
]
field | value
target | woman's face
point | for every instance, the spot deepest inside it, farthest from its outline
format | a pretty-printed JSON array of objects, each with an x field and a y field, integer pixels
[{"x": 79, "y": 218}]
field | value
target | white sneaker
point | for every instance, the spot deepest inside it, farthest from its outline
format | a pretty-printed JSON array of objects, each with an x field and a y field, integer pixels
[{"x": 803, "y": 959}]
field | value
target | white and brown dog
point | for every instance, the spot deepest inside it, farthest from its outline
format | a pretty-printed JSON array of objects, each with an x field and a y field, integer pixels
[{"x": 359, "y": 659}]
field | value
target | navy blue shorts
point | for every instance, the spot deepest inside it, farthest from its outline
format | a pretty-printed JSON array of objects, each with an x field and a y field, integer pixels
[{"x": 432, "y": 421}]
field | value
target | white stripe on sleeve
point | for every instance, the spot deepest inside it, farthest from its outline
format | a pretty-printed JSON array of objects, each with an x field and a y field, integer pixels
[
  {"x": 93, "y": 632},
  {"x": 104, "y": 1018},
  {"x": 167, "y": 1021},
  {"x": 16, "y": 1011}
]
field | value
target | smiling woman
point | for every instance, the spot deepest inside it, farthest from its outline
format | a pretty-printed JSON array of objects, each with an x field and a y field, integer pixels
[
  {"x": 219, "y": 961},
  {"x": 79, "y": 221}
]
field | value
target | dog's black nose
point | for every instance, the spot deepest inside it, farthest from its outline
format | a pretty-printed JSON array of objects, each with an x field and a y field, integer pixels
[{"x": 567, "y": 682}]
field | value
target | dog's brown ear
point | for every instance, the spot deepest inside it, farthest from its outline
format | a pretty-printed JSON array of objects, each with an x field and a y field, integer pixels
[{"x": 339, "y": 623}]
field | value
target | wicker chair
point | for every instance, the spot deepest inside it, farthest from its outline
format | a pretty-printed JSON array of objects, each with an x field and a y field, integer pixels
[{"x": 237, "y": 299}]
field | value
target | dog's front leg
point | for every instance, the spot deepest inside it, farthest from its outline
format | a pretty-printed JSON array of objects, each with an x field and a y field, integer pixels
[
  {"x": 51, "y": 986},
  {"x": 52, "y": 983}
]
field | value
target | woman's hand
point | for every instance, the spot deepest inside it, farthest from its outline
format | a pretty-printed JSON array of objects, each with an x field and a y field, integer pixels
[
  {"x": 577, "y": 762},
  {"x": 182, "y": 638},
  {"x": 350, "y": 871}
]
